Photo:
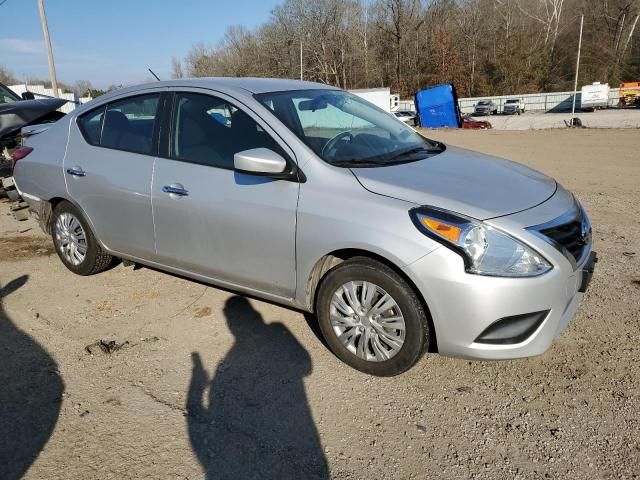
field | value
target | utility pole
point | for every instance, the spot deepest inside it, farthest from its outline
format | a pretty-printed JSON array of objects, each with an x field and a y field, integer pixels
[
  {"x": 300, "y": 58},
  {"x": 575, "y": 84},
  {"x": 47, "y": 41}
]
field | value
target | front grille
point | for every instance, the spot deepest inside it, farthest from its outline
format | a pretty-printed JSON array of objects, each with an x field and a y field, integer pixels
[
  {"x": 569, "y": 236},
  {"x": 570, "y": 233}
]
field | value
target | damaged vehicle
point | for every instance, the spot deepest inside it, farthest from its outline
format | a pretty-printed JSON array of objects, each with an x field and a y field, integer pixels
[
  {"x": 18, "y": 112},
  {"x": 470, "y": 122},
  {"x": 305, "y": 195}
]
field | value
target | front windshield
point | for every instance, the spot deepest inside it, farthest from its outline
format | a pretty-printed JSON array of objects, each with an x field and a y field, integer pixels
[
  {"x": 483, "y": 102},
  {"x": 7, "y": 96},
  {"x": 345, "y": 130},
  {"x": 512, "y": 101}
]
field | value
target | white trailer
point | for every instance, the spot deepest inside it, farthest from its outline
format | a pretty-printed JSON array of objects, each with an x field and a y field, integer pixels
[
  {"x": 594, "y": 96},
  {"x": 380, "y": 97}
]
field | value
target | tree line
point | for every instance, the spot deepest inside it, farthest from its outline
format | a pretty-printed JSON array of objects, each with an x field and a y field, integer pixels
[{"x": 483, "y": 47}]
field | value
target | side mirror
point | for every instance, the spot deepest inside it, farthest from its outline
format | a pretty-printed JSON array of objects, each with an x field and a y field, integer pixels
[
  {"x": 260, "y": 161},
  {"x": 28, "y": 96}
]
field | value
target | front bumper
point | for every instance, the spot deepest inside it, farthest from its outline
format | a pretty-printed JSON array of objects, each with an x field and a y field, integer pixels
[{"x": 463, "y": 306}]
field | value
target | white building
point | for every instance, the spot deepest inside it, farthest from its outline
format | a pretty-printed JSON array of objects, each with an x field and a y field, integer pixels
[{"x": 48, "y": 92}]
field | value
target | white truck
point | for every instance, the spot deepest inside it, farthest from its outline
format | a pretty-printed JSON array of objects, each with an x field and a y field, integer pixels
[
  {"x": 594, "y": 96},
  {"x": 380, "y": 97},
  {"x": 513, "y": 106}
]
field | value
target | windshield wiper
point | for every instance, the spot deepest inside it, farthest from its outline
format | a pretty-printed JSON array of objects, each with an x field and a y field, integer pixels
[
  {"x": 412, "y": 151},
  {"x": 395, "y": 158},
  {"x": 357, "y": 163}
]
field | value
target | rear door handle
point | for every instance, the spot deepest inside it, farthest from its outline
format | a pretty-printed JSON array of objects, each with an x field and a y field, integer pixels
[
  {"x": 76, "y": 172},
  {"x": 175, "y": 190}
]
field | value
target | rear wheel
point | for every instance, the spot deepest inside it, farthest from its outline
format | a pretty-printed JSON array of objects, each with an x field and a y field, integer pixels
[
  {"x": 371, "y": 318},
  {"x": 75, "y": 243}
]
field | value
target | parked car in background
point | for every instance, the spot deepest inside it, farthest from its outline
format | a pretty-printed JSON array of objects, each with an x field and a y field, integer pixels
[
  {"x": 485, "y": 107},
  {"x": 470, "y": 122},
  {"x": 430, "y": 246},
  {"x": 18, "y": 112},
  {"x": 406, "y": 116},
  {"x": 512, "y": 106}
]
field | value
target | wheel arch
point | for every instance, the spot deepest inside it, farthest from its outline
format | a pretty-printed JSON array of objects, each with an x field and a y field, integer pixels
[
  {"x": 336, "y": 257},
  {"x": 46, "y": 213}
]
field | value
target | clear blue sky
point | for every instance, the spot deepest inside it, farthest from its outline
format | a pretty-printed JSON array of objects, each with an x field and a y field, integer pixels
[{"x": 115, "y": 41}]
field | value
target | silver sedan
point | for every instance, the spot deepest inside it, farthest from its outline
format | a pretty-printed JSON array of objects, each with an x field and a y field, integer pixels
[{"x": 305, "y": 195}]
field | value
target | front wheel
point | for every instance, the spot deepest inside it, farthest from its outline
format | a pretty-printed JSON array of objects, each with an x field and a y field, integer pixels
[
  {"x": 371, "y": 318},
  {"x": 75, "y": 243}
]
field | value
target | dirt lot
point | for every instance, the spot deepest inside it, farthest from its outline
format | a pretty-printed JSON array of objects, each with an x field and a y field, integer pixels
[{"x": 201, "y": 382}]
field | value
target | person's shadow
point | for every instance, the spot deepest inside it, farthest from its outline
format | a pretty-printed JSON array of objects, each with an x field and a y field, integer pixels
[
  {"x": 256, "y": 423},
  {"x": 30, "y": 394}
]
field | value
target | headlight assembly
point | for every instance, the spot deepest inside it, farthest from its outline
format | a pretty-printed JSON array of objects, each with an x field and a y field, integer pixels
[{"x": 485, "y": 250}]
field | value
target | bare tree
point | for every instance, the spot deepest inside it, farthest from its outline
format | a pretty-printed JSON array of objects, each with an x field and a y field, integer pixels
[
  {"x": 6, "y": 76},
  {"x": 176, "y": 68},
  {"x": 82, "y": 87},
  {"x": 482, "y": 46}
]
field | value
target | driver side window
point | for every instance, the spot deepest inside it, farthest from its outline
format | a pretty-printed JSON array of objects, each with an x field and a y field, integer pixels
[{"x": 209, "y": 131}]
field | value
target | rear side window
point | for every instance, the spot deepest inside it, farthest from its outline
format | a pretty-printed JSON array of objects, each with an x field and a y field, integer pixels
[
  {"x": 7, "y": 96},
  {"x": 209, "y": 131},
  {"x": 91, "y": 125},
  {"x": 129, "y": 124}
]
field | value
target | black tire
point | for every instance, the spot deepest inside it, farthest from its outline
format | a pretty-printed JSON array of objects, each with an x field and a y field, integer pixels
[
  {"x": 417, "y": 335},
  {"x": 96, "y": 259}
]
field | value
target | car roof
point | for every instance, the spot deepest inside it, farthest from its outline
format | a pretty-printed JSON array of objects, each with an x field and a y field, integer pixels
[
  {"x": 243, "y": 85},
  {"x": 248, "y": 84}
]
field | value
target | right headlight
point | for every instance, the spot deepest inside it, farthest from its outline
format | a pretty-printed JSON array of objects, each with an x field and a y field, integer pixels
[{"x": 486, "y": 250}]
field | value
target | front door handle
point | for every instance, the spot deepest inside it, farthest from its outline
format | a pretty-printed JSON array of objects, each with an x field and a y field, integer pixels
[
  {"x": 175, "y": 189},
  {"x": 76, "y": 171}
]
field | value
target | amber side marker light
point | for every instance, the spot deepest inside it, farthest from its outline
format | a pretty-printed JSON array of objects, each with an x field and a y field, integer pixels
[{"x": 450, "y": 232}]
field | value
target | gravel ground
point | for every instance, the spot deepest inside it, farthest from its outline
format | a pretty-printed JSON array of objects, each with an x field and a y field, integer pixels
[
  {"x": 199, "y": 382},
  {"x": 613, "y": 118}
]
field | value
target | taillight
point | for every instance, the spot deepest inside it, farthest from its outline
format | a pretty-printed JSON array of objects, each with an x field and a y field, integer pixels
[{"x": 19, "y": 154}]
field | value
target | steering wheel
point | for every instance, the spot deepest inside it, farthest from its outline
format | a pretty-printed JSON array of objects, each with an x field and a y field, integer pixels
[{"x": 332, "y": 142}]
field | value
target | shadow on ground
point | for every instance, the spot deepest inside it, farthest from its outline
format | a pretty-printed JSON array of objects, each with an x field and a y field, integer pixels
[
  {"x": 256, "y": 423},
  {"x": 30, "y": 394}
]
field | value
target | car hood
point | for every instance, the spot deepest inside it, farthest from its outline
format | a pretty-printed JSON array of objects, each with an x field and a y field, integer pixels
[
  {"x": 471, "y": 183},
  {"x": 14, "y": 116}
]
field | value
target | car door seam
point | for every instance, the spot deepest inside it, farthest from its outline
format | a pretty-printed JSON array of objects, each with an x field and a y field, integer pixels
[
  {"x": 153, "y": 215},
  {"x": 66, "y": 151}
]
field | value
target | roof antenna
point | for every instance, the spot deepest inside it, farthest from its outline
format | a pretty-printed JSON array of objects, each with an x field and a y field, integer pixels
[{"x": 157, "y": 78}]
